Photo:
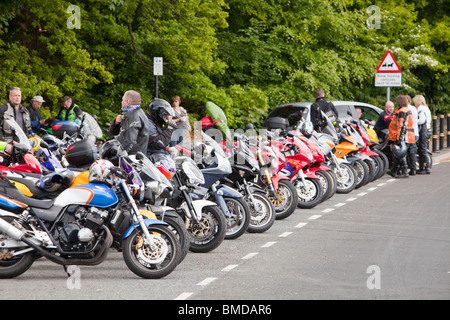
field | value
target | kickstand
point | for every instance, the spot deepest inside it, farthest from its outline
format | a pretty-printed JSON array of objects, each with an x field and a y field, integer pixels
[{"x": 67, "y": 272}]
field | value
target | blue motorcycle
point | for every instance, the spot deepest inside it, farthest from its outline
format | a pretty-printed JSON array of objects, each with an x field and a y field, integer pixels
[
  {"x": 215, "y": 166},
  {"x": 79, "y": 225}
]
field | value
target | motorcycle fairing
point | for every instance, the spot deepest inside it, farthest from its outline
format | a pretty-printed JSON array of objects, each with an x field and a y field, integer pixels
[
  {"x": 91, "y": 194},
  {"x": 9, "y": 203}
]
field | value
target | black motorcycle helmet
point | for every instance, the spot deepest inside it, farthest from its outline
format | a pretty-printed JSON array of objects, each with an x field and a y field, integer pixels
[
  {"x": 160, "y": 110},
  {"x": 110, "y": 151}
]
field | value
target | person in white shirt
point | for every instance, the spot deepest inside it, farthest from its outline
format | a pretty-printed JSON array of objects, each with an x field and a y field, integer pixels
[
  {"x": 412, "y": 147},
  {"x": 424, "y": 124}
]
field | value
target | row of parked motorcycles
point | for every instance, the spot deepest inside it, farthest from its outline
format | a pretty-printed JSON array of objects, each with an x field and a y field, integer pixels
[{"x": 70, "y": 197}]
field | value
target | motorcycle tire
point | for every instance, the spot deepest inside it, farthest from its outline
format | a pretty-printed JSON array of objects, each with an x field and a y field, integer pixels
[
  {"x": 211, "y": 233},
  {"x": 327, "y": 182},
  {"x": 385, "y": 160},
  {"x": 334, "y": 180},
  {"x": 262, "y": 213},
  {"x": 346, "y": 178},
  {"x": 144, "y": 262},
  {"x": 286, "y": 199},
  {"x": 362, "y": 171},
  {"x": 372, "y": 168},
  {"x": 240, "y": 218},
  {"x": 177, "y": 226},
  {"x": 379, "y": 167},
  {"x": 311, "y": 195},
  {"x": 14, "y": 266}
]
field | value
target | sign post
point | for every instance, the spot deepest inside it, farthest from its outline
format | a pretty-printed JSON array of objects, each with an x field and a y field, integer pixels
[
  {"x": 157, "y": 71},
  {"x": 388, "y": 74}
]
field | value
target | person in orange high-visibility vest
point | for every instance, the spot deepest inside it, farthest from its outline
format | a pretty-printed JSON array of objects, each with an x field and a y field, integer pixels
[{"x": 401, "y": 132}]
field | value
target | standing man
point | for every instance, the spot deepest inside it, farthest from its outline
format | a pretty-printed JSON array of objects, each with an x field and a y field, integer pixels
[
  {"x": 132, "y": 127},
  {"x": 35, "y": 113},
  {"x": 70, "y": 111},
  {"x": 322, "y": 105},
  {"x": 384, "y": 118},
  {"x": 412, "y": 147},
  {"x": 14, "y": 109}
]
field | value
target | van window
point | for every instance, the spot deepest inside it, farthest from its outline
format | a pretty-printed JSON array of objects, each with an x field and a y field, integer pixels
[
  {"x": 368, "y": 113},
  {"x": 292, "y": 114}
]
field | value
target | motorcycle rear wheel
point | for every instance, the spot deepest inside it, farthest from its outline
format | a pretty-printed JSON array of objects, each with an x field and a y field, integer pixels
[
  {"x": 147, "y": 263},
  {"x": 13, "y": 266}
]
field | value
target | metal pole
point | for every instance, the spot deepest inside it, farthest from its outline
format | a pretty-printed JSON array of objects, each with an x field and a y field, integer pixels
[
  {"x": 388, "y": 94},
  {"x": 434, "y": 141},
  {"x": 156, "y": 84},
  {"x": 448, "y": 130},
  {"x": 441, "y": 132}
]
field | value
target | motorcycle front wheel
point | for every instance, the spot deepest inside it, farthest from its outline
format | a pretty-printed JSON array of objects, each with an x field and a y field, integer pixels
[
  {"x": 285, "y": 199},
  {"x": 210, "y": 232},
  {"x": 262, "y": 213},
  {"x": 147, "y": 263},
  {"x": 239, "y": 221},
  {"x": 346, "y": 178},
  {"x": 309, "y": 195}
]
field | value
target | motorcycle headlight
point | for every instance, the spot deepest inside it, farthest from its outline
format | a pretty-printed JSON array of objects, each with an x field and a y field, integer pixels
[{"x": 193, "y": 173}]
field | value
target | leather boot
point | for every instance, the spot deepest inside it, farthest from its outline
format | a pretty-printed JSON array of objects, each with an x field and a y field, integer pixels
[
  {"x": 412, "y": 164},
  {"x": 403, "y": 169},
  {"x": 426, "y": 167}
]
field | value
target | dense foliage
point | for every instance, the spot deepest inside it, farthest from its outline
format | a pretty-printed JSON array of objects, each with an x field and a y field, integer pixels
[{"x": 247, "y": 56}]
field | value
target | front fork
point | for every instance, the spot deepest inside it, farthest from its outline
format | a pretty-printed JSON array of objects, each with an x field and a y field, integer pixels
[{"x": 148, "y": 239}]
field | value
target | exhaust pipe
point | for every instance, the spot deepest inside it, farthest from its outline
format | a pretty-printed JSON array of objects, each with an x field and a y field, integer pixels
[{"x": 10, "y": 230}]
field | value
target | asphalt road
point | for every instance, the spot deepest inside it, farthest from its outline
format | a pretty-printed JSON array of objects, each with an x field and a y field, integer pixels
[{"x": 388, "y": 240}]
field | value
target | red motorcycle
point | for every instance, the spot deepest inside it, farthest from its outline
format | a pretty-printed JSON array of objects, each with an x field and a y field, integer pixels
[
  {"x": 277, "y": 185},
  {"x": 299, "y": 161},
  {"x": 22, "y": 158}
]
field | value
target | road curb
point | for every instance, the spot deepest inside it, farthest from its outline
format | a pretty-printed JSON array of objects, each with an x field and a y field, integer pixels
[{"x": 441, "y": 156}]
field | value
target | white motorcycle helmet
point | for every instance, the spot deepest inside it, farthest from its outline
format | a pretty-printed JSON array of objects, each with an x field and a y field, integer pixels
[
  {"x": 307, "y": 128},
  {"x": 101, "y": 171}
]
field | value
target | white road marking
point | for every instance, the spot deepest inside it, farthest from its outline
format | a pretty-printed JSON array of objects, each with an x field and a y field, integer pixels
[
  {"x": 250, "y": 255},
  {"x": 184, "y": 296},
  {"x": 301, "y": 224},
  {"x": 206, "y": 281},
  {"x": 268, "y": 244},
  {"x": 230, "y": 267}
]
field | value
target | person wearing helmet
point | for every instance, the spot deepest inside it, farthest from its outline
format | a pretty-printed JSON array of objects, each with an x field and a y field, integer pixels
[
  {"x": 160, "y": 114},
  {"x": 401, "y": 132},
  {"x": 131, "y": 127}
]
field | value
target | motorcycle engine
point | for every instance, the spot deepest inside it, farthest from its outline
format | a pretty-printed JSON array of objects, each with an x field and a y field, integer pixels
[{"x": 79, "y": 229}]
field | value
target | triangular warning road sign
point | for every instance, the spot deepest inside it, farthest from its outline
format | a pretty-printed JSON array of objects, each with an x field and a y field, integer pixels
[{"x": 388, "y": 64}]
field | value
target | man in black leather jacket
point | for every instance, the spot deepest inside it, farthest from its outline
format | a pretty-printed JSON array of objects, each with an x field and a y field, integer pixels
[
  {"x": 132, "y": 127},
  {"x": 322, "y": 105}
]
